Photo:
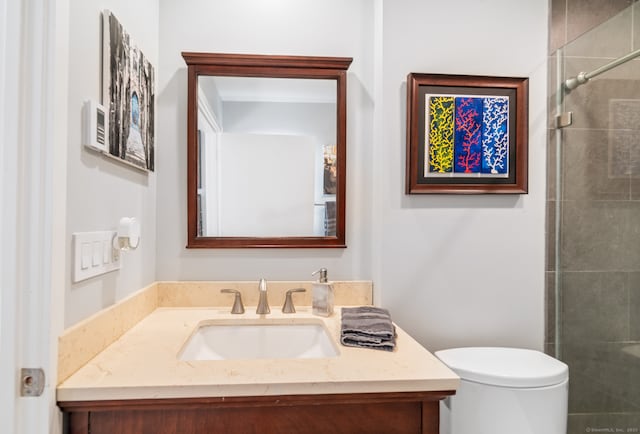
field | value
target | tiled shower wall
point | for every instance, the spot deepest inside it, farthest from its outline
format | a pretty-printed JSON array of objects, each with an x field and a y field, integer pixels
[{"x": 600, "y": 215}]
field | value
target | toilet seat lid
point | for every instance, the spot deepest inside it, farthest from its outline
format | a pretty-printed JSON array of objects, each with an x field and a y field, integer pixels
[{"x": 509, "y": 367}]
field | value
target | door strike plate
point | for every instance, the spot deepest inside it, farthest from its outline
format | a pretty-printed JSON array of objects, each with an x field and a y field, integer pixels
[{"x": 31, "y": 382}]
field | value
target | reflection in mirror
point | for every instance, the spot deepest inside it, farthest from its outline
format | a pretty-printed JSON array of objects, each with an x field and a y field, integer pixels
[
  {"x": 266, "y": 150},
  {"x": 266, "y": 157}
]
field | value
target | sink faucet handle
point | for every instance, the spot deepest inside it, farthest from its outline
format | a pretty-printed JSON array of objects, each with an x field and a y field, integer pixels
[
  {"x": 237, "y": 302},
  {"x": 288, "y": 306}
]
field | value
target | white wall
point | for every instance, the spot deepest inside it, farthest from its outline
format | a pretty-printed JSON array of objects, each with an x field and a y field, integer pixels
[
  {"x": 462, "y": 270},
  {"x": 266, "y": 185},
  {"x": 101, "y": 190},
  {"x": 310, "y": 119},
  {"x": 326, "y": 28}
]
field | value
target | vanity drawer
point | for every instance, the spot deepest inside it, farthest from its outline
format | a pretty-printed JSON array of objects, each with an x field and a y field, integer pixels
[{"x": 385, "y": 413}]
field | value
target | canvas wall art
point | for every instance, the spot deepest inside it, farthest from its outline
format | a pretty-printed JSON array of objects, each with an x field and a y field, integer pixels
[
  {"x": 466, "y": 134},
  {"x": 129, "y": 95}
]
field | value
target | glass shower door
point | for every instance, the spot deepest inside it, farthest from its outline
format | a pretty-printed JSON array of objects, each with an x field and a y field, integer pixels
[{"x": 597, "y": 229}]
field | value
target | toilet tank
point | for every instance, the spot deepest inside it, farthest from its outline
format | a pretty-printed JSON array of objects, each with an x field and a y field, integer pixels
[{"x": 505, "y": 391}]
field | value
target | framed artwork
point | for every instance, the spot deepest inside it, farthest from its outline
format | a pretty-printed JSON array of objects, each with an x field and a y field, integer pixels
[
  {"x": 466, "y": 134},
  {"x": 128, "y": 87}
]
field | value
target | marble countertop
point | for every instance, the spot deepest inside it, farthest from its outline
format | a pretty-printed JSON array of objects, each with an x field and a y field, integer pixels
[{"x": 143, "y": 364}]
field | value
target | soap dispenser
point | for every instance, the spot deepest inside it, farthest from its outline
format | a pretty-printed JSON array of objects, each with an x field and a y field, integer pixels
[{"x": 322, "y": 294}]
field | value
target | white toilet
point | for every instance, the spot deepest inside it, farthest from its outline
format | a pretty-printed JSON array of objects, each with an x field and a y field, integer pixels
[{"x": 505, "y": 391}]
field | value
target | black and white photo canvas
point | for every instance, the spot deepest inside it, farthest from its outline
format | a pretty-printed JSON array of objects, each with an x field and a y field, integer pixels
[{"x": 129, "y": 94}]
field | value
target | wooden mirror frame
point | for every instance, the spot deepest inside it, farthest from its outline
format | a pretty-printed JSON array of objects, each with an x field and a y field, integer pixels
[{"x": 249, "y": 65}]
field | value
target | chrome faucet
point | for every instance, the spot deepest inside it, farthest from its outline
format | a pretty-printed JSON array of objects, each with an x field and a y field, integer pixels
[{"x": 263, "y": 304}]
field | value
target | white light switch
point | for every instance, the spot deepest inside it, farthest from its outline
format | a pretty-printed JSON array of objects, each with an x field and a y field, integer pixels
[
  {"x": 97, "y": 253},
  {"x": 85, "y": 256},
  {"x": 93, "y": 254},
  {"x": 106, "y": 252}
]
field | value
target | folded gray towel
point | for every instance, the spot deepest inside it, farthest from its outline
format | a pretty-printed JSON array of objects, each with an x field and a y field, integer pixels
[{"x": 367, "y": 327}]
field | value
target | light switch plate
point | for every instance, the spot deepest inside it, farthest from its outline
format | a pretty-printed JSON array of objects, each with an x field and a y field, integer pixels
[{"x": 93, "y": 254}]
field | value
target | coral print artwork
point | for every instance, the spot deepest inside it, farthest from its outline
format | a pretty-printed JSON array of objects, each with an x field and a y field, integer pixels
[{"x": 467, "y": 135}]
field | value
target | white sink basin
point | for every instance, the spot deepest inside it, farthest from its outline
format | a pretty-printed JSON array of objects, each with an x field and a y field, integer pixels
[{"x": 253, "y": 340}]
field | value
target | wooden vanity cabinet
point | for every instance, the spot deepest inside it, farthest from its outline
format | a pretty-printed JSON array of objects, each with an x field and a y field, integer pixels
[{"x": 384, "y": 413}]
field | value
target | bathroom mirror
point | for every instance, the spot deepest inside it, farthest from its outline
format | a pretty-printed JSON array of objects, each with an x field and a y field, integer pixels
[{"x": 266, "y": 150}]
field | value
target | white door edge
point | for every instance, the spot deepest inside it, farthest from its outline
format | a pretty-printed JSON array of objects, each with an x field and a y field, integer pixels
[{"x": 30, "y": 307}]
